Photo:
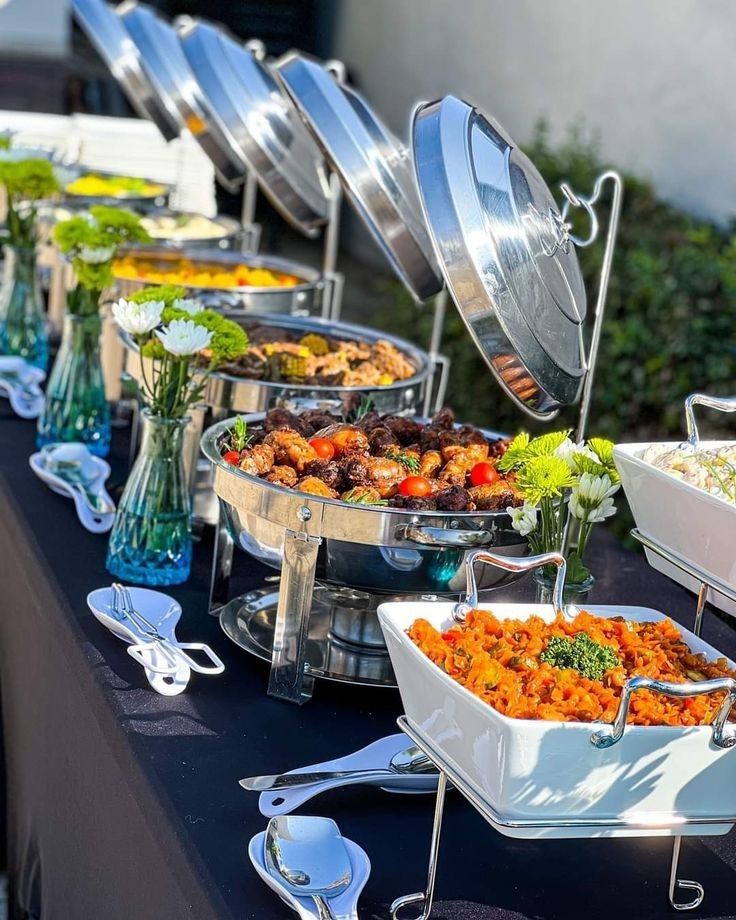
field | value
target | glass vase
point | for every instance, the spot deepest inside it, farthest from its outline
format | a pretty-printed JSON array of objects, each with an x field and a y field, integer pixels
[
  {"x": 573, "y": 592},
  {"x": 151, "y": 540},
  {"x": 22, "y": 320},
  {"x": 76, "y": 406}
]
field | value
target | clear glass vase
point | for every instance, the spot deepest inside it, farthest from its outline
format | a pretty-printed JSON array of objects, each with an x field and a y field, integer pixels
[
  {"x": 22, "y": 319},
  {"x": 573, "y": 593},
  {"x": 151, "y": 540},
  {"x": 76, "y": 407}
]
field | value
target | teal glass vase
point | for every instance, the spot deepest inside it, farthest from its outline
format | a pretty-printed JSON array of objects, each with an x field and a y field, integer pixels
[
  {"x": 76, "y": 406},
  {"x": 151, "y": 539},
  {"x": 22, "y": 318}
]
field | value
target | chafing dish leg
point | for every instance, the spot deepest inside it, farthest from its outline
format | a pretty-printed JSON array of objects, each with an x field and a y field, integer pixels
[
  {"x": 700, "y": 609},
  {"x": 222, "y": 564},
  {"x": 676, "y": 883},
  {"x": 288, "y": 679},
  {"x": 426, "y": 897}
]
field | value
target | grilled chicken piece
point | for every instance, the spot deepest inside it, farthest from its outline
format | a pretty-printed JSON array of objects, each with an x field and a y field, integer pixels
[
  {"x": 429, "y": 463},
  {"x": 290, "y": 448},
  {"x": 282, "y": 476},
  {"x": 461, "y": 462},
  {"x": 315, "y": 486},
  {"x": 476, "y": 452},
  {"x": 346, "y": 439},
  {"x": 257, "y": 460},
  {"x": 377, "y": 472},
  {"x": 362, "y": 495},
  {"x": 494, "y": 496}
]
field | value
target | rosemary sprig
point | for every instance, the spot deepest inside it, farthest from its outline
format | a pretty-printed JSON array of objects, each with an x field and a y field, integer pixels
[
  {"x": 363, "y": 408},
  {"x": 408, "y": 461},
  {"x": 356, "y": 497},
  {"x": 239, "y": 438}
]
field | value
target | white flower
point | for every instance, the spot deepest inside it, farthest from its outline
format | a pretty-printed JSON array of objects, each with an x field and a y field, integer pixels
[
  {"x": 590, "y": 499},
  {"x": 524, "y": 519},
  {"x": 183, "y": 337},
  {"x": 138, "y": 318},
  {"x": 569, "y": 447},
  {"x": 188, "y": 305},
  {"x": 96, "y": 255}
]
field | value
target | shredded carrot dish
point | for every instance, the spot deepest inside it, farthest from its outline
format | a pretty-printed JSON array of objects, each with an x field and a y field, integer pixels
[{"x": 507, "y": 664}]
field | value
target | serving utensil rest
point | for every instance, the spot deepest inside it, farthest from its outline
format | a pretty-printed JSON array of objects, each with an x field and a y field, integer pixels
[{"x": 601, "y": 738}]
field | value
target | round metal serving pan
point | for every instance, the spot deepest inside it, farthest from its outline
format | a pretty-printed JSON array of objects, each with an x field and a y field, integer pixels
[
  {"x": 107, "y": 34},
  {"x": 230, "y": 393},
  {"x": 168, "y": 70},
  {"x": 137, "y": 202},
  {"x": 373, "y": 167},
  {"x": 261, "y": 122},
  {"x": 505, "y": 252},
  {"x": 303, "y": 298},
  {"x": 230, "y": 239},
  {"x": 380, "y": 550}
]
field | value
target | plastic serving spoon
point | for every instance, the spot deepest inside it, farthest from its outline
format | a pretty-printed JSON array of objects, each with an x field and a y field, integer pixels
[
  {"x": 344, "y": 906},
  {"x": 83, "y": 477},
  {"x": 20, "y": 382},
  {"x": 309, "y": 858},
  {"x": 370, "y": 765}
]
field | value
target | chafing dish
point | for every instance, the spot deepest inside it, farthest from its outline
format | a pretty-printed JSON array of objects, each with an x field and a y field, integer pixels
[
  {"x": 537, "y": 778},
  {"x": 313, "y": 294},
  {"x": 226, "y": 393},
  {"x": 362, "y": 550},
  {"x": 159, "y": 198}
]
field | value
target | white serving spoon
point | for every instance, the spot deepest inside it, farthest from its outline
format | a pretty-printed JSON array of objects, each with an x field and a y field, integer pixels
[
  {"x": 70, "y": 469},
  {"x": 20, "y": 382}
]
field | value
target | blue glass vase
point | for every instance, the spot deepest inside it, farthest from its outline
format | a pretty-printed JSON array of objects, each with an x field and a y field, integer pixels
[
  {"x": 22, "y": 319},
  {"x": 151, "y": 539},
  {"x": 76, "y": 406}
]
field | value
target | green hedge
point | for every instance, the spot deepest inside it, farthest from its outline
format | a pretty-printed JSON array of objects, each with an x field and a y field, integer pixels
[{"x": 670, "y": 321}]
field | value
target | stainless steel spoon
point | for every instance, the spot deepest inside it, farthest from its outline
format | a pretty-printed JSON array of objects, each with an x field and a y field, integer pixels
[
  {"x": 411, "y": 760},
  {"x": 309, "y": 858}
]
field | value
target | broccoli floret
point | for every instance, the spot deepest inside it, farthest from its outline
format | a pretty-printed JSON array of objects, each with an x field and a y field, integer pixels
[{"x": 589, "y": 658}]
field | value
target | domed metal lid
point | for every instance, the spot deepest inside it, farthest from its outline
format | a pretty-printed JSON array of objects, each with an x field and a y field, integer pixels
[
  {"x": 105, "y": 31},
  {"x": 260, "y": 121},
  {"x": 505, "y": 252},
  {"x": 171, "y": 77},
  {"x": 374, "y": 167}
]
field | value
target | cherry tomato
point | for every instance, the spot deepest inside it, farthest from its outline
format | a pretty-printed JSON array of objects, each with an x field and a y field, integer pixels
[
  {"x": 323, "y": 448},
  {"x": 232, "y": 456},
  {"x": 417, "y": 486},
  {"x": 484, "y": 474}
]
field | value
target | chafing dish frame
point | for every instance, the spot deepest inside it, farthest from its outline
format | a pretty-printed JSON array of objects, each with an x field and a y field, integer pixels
[
  {"x": 447, "y": 774},
  {"x": 307, "y": 523}
]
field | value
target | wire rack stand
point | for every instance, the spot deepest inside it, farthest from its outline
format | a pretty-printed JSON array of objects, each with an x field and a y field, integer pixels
[
  {"x": 448, "y": 774},
  {"x": 707, "y": 582}
]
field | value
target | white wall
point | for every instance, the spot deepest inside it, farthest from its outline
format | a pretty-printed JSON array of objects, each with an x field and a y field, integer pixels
[
  {"x": 656, "y": 78},
  {"x": 35, "y": 27}
]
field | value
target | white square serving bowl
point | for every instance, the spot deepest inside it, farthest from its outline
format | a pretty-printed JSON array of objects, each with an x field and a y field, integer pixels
[
  {"x": 698, "y": 527},
  {"x": 655, "y": 781}
]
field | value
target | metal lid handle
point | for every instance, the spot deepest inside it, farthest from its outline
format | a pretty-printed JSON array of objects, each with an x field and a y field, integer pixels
[
  {"x": 724, "y": 403},
  {"x": 722, "y": 736},
  {"x": 511, "y": 564}
]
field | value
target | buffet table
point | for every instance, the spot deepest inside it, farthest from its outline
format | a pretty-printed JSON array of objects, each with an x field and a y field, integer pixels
[{"x": 124, "y": 804}]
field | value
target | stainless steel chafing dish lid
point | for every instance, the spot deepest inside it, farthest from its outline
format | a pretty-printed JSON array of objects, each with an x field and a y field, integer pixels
[
  {"x": 260, "y": 121},
  {"x": 117, "y": 49},
  {"x": 373, "y": 167},
  {"x": 169, "y": 72},
  {"x": 505, "y": 253}
]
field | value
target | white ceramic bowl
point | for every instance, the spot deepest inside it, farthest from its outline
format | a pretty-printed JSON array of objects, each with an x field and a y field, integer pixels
[
  {"x": 529, "y": 771},
  {"x": 696, "y": 526}
]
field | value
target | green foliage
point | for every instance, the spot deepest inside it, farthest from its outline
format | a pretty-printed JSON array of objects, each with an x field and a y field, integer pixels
[
  {"x": 589, "y": 658},
  {"x": 167, "y": 293},
  {"x": 229, "y": 340},
  {"x": 26, "y": 182}
]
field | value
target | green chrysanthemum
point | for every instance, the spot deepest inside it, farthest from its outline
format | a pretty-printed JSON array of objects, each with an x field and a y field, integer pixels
[{"x": 544, "y": 477}]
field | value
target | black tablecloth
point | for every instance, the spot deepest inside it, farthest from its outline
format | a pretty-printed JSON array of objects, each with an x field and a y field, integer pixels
[{"x": 124, "y": 805}]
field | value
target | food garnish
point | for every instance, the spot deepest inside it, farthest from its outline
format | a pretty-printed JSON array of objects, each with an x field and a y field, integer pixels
[
  {"x": 484, "y": 474},
  {"x": 410, "y": 461},
  {"x": 416, "y": 486},
  {"x": 582, "y": 654},
  {"x": 324, "y": 448}
]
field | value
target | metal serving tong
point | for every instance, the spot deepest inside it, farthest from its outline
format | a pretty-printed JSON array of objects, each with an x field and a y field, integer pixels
[{"x": 172, "y": 652}]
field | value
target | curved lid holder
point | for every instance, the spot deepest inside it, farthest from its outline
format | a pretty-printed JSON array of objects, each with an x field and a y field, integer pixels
[{"x": 508, "y": 255}]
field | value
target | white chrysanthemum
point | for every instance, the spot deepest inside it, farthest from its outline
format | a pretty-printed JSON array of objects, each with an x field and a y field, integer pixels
[
  {"x": 183, "y": 337},
  {"x": 524, "y": 519},
  {"x": 96, "y": 255},
  {"x": 138, "y": 318},
  {"x": 188, "y": 305},
  {"x": 568, "y": 448},
  {"x": 591, "y": 500}
]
